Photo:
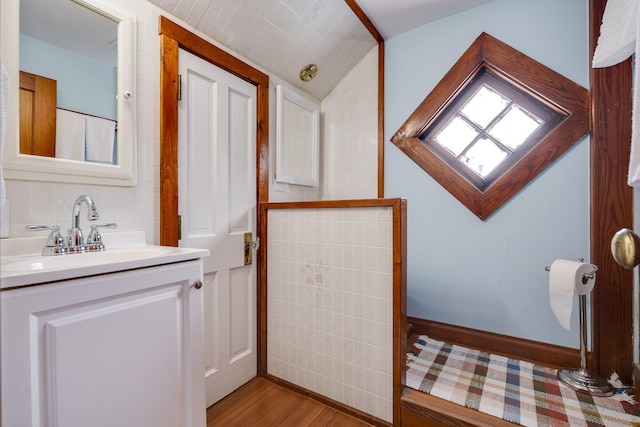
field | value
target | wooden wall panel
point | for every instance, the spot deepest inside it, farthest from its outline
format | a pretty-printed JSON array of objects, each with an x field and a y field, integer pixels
[{"x": 611, "y": 209}]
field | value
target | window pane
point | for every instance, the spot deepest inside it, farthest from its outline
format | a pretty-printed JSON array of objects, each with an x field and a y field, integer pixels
[
  {"x": 456, "y": 135},
  {"x": 483, "y": 157},
  {"x": 484, "y": 106},
  {"x": 515, "y": 127}
]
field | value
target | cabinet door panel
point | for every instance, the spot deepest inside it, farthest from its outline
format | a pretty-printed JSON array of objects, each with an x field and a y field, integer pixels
[
  {"x": 121, "y": 349},
  {"x": 94, "y": 349}
]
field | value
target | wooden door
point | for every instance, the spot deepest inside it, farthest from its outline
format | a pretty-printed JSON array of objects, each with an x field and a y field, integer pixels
[{"x": 38, "y": 97}]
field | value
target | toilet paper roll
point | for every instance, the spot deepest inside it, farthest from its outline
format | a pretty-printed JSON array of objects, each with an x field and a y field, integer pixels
[{"x": 565, "y": 281}]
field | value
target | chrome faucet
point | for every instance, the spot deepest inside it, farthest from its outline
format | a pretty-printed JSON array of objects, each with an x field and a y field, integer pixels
[
  {"x": 75, "y": 234},
  {"x": 75, "y": 243}
]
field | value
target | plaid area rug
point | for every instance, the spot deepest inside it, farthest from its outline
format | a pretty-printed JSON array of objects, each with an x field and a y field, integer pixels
[{"x": 514, "y": 390}]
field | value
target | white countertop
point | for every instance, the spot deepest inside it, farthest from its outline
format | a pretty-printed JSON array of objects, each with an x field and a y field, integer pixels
[{"x": 21, "y": 262}]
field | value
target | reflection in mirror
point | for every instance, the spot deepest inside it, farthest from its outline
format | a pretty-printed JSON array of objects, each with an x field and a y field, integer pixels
[
  {"x": 72, "y": 107},
  {"x": 68, "y": 81}
]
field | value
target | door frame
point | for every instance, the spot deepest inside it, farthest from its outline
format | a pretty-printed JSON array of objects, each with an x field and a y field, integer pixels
[
  {"x": 172, "y": 38},
  {"x": 611, "y": 208}
]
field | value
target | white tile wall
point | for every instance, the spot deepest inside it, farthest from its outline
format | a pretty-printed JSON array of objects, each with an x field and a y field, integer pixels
[
  {"x": 350, "y": 134},
  {"x": 330, "y": 307}
]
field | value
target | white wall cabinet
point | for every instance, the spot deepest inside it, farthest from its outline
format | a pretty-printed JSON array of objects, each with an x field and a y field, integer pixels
[{"x": 120, "y": 349}]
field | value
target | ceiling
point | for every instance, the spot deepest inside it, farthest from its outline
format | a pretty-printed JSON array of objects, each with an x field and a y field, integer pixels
[
  {"x": 282, "y": 36},
  {"x": 393, "y": 17},
  {"x": 279, "y": 36},
  {"x": 286, "y": 35}
]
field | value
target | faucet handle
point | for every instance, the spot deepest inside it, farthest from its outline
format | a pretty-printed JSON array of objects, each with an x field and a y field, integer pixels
[
  {"x": 55, "y": 242},
  {"x": 55, "y": 238},
  {"x": 94, "y": 240},
  {"x": 42, "y": 227},
  {"x": 94, "y": 235}
]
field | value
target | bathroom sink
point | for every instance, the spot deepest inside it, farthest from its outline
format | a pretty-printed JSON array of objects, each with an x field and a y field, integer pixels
[
  {"x": 22, "y": 264},
  {"x": 39, "y": 262}
]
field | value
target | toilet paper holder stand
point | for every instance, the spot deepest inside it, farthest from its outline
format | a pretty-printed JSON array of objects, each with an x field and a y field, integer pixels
[
  {"x": 586, "y": 276},
  {"x": 581, "y": 379}
]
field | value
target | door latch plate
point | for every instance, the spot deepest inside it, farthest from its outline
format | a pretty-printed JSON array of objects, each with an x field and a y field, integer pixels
[{"x": 250, "y": 244}]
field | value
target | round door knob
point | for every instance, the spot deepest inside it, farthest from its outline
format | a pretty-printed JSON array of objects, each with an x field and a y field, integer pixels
[
  {"x": 625, "y": 248},
  {"x": 197, "y": 284}
]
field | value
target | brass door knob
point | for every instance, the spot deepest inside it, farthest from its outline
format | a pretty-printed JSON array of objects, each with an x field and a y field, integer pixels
[{"x": 625, "y": 248}]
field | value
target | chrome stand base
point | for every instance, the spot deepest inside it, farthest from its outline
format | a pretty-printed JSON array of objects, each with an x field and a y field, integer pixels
[{"x": 585, "y": 381}]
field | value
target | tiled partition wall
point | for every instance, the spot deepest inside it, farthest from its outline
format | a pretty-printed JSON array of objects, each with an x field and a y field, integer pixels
[{"x": 335, "y": 300}]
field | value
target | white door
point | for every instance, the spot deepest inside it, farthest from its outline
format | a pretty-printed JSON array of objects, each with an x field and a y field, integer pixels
[{"x": 217, "y": 205}]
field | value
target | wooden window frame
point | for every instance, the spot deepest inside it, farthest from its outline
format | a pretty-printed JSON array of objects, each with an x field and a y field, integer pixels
[{"x": 557, "y": 92}]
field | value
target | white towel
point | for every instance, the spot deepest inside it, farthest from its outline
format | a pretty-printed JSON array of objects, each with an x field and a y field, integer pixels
[
  {"x": 4, "y": 100},
  {"x": 70, "y": 129},
  {"x": 618, "y": 33},
  {"x": 619, "y": 39},
  {"x": 100, "y": 137}
]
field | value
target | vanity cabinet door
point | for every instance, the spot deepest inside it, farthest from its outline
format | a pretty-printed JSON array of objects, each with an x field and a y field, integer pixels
[{"x": 122, "y": 349}]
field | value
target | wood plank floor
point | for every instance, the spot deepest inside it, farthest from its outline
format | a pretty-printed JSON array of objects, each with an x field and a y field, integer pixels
[{"x": 263, "y": 403}]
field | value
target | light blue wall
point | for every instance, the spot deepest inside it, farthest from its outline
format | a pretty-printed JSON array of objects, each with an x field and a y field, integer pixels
[
  {"x": 490, "y": 275},
  {"x": 83, "y": 85}
]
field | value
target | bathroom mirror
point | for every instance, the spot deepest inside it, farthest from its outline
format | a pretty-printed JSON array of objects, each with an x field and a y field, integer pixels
[{"x": 117, "y": 167}]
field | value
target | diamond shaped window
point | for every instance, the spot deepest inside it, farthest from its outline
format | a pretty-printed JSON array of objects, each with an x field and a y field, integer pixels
[
  {"x": 487, "y": 128},
  {"x": 493, "y": 123}
]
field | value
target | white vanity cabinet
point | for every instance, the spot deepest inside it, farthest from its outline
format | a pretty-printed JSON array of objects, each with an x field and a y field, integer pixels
[{"x": 118, "y": 349}]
